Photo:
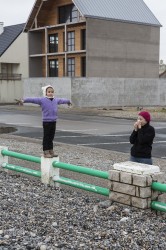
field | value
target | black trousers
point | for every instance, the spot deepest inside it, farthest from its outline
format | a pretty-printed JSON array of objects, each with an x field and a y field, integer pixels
[{"x": 49, "y": 129}]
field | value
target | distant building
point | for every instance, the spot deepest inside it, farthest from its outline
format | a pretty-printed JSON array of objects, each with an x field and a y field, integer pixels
[
  {"x": 93, "y": 38},
  {"x": 162, "y": 67},
  {"x": 13, "y": 61}
]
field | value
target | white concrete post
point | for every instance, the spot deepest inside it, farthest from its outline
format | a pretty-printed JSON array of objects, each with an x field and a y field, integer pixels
[
  {"x": 48, "y": 171},
  {"x": 3, "y": 158}
]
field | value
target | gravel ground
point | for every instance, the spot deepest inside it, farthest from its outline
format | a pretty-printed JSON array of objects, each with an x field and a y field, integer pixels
[{"x": 33, "y": 216}]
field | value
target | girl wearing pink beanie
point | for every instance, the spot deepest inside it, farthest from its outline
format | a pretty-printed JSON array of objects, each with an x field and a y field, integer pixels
[{"x": 142, "y": 139}]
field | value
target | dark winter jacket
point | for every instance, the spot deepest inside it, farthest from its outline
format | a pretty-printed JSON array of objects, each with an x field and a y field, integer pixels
[{"x": 142, "y": 141}]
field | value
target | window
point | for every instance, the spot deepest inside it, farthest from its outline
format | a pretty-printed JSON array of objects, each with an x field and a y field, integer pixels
[
  {"x": 70, "y": 41},
  {"x": 83, "y": 39},
  {"x": 68, "y": 14},
  {"x": 53, "y": 68},
  {"x": 83, "y": 66},
  {"x": 10, "y": 71},
  {"x": 71, "y": 67},
  {"x": 53, "y": 43}
]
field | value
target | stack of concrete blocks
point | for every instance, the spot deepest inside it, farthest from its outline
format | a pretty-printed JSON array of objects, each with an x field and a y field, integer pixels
[{"x": 130, "y": 183}]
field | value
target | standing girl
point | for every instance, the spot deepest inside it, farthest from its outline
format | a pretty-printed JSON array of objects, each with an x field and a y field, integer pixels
[
  {"x": 49, "y": 105},
  {"x": 142, "y": 139}
]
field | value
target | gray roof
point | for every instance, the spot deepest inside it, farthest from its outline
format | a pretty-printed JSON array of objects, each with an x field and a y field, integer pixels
[
  {"x": 133, "y": 11},
  {"x": 9, "y": 35}
]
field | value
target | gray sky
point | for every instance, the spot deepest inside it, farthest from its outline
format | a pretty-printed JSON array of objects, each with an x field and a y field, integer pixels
[{"x": 17, "y": 11}]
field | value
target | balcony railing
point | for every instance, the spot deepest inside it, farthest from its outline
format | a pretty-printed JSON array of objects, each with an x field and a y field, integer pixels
[{"x": 6, "y": 76}]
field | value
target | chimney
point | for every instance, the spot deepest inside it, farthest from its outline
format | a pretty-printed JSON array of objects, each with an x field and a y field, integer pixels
[{"x": 1, "y": 28}]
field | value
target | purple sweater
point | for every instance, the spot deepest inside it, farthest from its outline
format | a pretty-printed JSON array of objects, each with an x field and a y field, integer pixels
[{"x": 49, "y": 107}]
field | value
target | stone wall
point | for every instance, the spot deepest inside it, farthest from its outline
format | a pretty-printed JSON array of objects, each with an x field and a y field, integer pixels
[{"x": 130, "y": 183}]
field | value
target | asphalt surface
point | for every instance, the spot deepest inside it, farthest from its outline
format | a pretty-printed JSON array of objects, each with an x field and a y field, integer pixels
[{"x": 82, "y": 129}]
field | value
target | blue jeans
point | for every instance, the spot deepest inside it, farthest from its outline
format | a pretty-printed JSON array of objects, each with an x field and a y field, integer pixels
[{"x": 141, "y": 160}]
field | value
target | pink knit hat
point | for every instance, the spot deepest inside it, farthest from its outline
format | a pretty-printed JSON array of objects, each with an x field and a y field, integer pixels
[{"x": 145, "y": 115}]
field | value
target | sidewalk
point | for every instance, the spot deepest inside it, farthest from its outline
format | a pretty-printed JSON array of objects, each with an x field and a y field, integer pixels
[{"x": 157, "y": 113}]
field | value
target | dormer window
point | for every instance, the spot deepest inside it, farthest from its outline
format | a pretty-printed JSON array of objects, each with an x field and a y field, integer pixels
[{"x": 68, "y": 14}]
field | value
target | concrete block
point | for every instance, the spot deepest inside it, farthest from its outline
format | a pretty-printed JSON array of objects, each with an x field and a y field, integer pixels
[
  {"x": 48, "y": 171},
  {"x": 124, "y": 188},
  {"x": 136, "y": 168},
  {"x": 154, "y": 195},
  {"x": 114, "y": 175},
  {"x": 159, "y": 177},
  {"x": 126, "y": 177},
  {"x": 145, "y": 192},
  {"x": 139, "y": 202},
  {"x": 121, "y": 198},
  {"x": 149, "y": 202},
  {"x": 139, "y": 180},
  {"x": 137, "y": 191},
  {"x": 110, "y": 185},
  {"x": 149, "y": 180}
]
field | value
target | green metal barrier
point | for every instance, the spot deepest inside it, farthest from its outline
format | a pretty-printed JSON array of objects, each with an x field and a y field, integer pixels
[
  {"x": 156, "y": 205},
  {"x": 21, "y": 156},
  {"x": 82, "y": 185},
  {"x": 159, "y": 206},
  {"x": 80, "y": 169},
  {"x": 22, "y": 169},
  {"x": 158, "y": 186},
  {"x": 62, "y": 180}
]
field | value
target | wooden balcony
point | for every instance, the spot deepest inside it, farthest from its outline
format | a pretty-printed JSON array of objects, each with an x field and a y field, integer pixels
[{"x": 6, "y": 76}]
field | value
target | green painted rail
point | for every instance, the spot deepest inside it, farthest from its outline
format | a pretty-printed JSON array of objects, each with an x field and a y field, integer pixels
[
  {"x": 21, "y": 156},
  {"x": 158, "y": 186},
  {"x": 82, "y": 185},
  {"x": 62, "y": 180},
  {"x": 80, "y": 169},
  {"x": 159, "y": 206},
  {"x": 22, "y": 169}
]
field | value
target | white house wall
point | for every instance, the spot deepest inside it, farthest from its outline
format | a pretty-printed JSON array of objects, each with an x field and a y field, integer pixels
[{"x": 18, "y": 53}]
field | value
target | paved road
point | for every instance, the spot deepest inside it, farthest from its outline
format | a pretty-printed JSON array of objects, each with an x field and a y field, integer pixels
[{"x": 86, "y": 130}]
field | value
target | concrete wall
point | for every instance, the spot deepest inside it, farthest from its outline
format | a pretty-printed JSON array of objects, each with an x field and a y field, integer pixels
[
  {"x": 117, "y": 49},
  {"x": 103, "y": 92},
  {"x": 98, "y": 92},
  {"x": 32, "y": 86},
  {"x": 10, "y": 90}
]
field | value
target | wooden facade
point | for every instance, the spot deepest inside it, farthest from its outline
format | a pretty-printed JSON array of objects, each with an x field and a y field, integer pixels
[
  {"x": 66, "y": 41},
  {"x": 45, "y": 21}
]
